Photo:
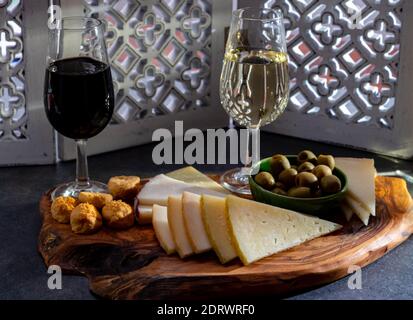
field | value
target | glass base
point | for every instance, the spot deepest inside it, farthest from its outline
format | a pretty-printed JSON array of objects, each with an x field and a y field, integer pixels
[
  {"x": 72, "y": 189},
  {"x": 236, "y": 181}
]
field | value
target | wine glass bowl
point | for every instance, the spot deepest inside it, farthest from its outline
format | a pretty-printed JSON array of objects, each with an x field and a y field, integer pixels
[
  {"x": 254, "y": 85},
  {"x": 78, "y": 91}
]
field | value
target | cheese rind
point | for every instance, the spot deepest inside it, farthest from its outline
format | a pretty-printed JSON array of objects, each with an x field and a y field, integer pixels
[
  {"x": 260, "y": 230},
  {"x": 176, "y": 223},
  {"x": 162, "y": 229},
  {"x": 216, "y": 225},
  {"x": 194, "y": 225},
  {"x": 361, "y": 181},
  {"x": 144, "y": 214}
]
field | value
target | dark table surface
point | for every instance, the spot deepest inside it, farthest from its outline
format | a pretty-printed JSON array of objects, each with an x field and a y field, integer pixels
[{"x": 24, "y": 276}]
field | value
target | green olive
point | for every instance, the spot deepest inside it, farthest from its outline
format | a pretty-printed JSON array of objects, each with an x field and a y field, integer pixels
[
  {"x": 327, "y": 160},
  {"x": 294, "y": 167},
  {"x": 265, "y": 180},
  {"x": 280, "y": 185},
  {"x": 279, "y": 163},
  {"x": 279, "y": 191},
  {"x": 306, "y": 179},
  {"x": 287, "y": 177},
  {"x": 330, "y": 184},
  {"x": 306, "y": 167},
  {"x": 299, "y": 192},
  {"x": 306, "y": 156},
  {"x": 321, "y": 171}
]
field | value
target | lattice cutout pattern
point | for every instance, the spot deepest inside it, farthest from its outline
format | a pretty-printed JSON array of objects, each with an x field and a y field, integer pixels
[
  {"x": 13, "y": 120},
  {"x": 344, "y": 58},
  {"x": 160, "y": 52}
]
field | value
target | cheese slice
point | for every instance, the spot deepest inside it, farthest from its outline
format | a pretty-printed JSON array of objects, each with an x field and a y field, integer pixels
[
  {"x": 195, "y": 228},
  {"x": 176, "y": 223},
  {"x": 358, "y": 209},
  {"x": 361, "y": 181},
  {"x": 348, "y": 212},
  {"x": 194, "y": 177},
  {"x": 159, "y": 188},
  {"x": 162, "y": 229},
  {"x": 144, "y": 215},
  {"x": 260, "y": 230},
  {"x": 216, "y": 225}
]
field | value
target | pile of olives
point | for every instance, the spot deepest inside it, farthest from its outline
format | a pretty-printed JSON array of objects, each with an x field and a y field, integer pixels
[{"x": 312, "y": 177}]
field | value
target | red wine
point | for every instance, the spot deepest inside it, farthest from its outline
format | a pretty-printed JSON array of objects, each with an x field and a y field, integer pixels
[{"x": 79, "y": 96}]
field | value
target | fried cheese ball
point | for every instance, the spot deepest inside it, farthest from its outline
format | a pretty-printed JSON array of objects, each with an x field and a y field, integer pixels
[
  {"x": 85, "y": 219},
  {"x": 99, "y": 200},
  {"x": 62, "y": 207},
  {"x": 118, "y": 215},
  {"x": 124, "y": 187}
]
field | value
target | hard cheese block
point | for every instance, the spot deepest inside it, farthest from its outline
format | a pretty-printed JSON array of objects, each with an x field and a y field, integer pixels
[
  {"x": 176, "y": 223},
  {"x": 162, "y": 229},
  {"x": 361, "y": 175},
  {"x": 192, "y": 176},
  {"x": 216, "y": 225},
  {"x": 157, "y": 190},
  {"x": 195, "y": 228},
  {"x": 259, "y": 230}
]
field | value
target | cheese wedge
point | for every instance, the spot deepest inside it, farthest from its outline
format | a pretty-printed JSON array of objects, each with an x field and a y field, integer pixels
[
  {"x": 194, "y": 177},
  {"x": 361, "y": 181},
  {"x": 195, "y": 228},
  {"x": 159, "y": 188},
  {"x": 216, "y": 225},
  {"x": 162, "y": 229},
  {"x": 144, "y": 214},
  {"x": 348, "y": 212},
  {"x": 260, "y": 230},
  {"x": 176, "y": 223},
  {"x": 358, "y": 209}
]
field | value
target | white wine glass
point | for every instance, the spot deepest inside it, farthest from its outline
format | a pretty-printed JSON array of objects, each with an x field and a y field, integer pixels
[{"x": 254, "y": 85}]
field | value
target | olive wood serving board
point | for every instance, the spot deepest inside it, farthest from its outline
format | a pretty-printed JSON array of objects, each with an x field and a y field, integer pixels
[{"x": 131, "y": 265}]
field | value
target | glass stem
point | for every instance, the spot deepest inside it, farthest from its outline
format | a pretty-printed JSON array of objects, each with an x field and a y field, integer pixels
[
  {"x": 82, "y": 172},
  {"x": 252, "y": 150}
]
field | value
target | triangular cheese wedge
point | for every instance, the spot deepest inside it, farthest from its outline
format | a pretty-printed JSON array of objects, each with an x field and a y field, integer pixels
[
  {"x": 194, "y": 177},
  {"x": 361, "y": 181},
  {"x": 216, "y": 225},
  {"x": 260, "y": 230},
  {"x": 191, "y": 208},
  {"x": 162, "y": 229},
  {"x": 358, "y": 209},
  {"x": 176, "y": 223}
]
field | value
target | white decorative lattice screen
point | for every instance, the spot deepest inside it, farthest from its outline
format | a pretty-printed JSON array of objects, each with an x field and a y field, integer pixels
[
  {"x": 160, "y": 52},
  {"x": 344, "y": 59},
  {"x": 13, "y": 120},
  {"x": 165, "y": 63}
]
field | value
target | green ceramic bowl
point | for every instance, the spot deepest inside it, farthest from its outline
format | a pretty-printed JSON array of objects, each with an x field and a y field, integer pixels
[{"x": 314, "y": 206}]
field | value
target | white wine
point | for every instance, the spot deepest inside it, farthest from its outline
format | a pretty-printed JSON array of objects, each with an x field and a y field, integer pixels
[{"x": 254, "y": 86}]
